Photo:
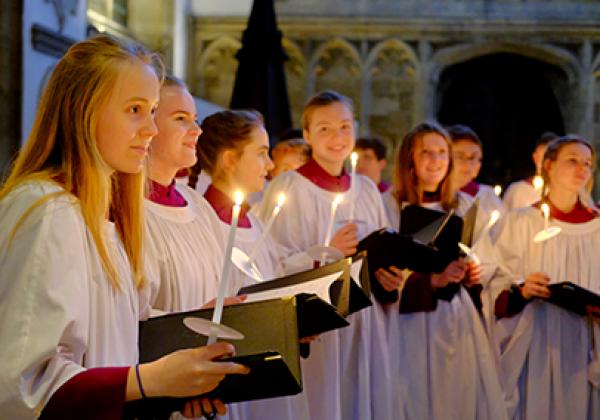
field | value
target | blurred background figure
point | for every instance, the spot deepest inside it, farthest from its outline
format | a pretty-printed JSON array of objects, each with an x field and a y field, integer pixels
[
  {"x": 371, "y": 160},
  {"x": 289, "y": 153}
]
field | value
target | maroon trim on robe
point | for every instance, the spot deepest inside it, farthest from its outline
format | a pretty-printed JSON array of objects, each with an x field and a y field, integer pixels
[
  {"x": 431, "y": 197},
  {"x": 418, "y": 294},
  {"x": 510, "y": 302},
  {"x": 167, "y": 196},
  {"x": 97, "y": 393},
  {"x": 383, "y": 186},
  {"x": 529, "y": 180},
  {"x": 323, "y": 179},
  {"x": 579, "y": 214},
  {"x": 182, "y": 173},
  {"x": 223, "y": 206},
  {"x": 472, "y": 188}
]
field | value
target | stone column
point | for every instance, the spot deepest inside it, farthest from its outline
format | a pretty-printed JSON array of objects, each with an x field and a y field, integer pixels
[
  {"x": 425, "y": 86},
  {"x": 10, "y": 80},
  {"x": 585, "y": 123}
]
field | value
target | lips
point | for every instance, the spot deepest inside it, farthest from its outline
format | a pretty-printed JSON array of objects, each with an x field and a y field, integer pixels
[{"x": 142, "y": 150}]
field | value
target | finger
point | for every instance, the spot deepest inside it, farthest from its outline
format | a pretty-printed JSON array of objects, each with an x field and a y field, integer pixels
[
  {"x": 196, "y": 411},
  {"x": 188, "y": 410},
  {"x": 214, "y": 351},
  {"x": 226, "y": 368},
  {"x": 207, "y": 407},
  {"x": 220, "y": 407},
  {"x": 396, "y": 271}
]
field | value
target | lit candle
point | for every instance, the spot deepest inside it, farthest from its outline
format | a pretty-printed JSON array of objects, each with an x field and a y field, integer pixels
[
  {"x": 493, "y": 218},
  {"x": 546, "y": 211},
  {"x": 353, "y": 161},
  {"x": 538, "y": 183},
  {"x": 334, "y": 205},
  {"x": 497, "y": 190},
  {"x": 276, "y": 210},
  {"x": 238, "y": 198}
]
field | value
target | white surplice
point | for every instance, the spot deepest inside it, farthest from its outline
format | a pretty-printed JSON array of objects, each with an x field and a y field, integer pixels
[
  {"x": 445, "y": 367},
  {"x": 59, "y": 313},
  {"x": 184, "y": 258},
  {"x": 347, "y": 375},
  {"x": 520, "y": 194},
  {"x": 549, "y": 358}
]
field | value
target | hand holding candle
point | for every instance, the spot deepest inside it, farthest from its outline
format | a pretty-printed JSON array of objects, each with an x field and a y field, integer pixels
[{"x": 238, "y": 198}]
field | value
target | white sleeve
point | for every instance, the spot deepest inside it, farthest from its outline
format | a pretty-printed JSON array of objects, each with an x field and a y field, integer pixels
[{"x": 44, "y": 301}]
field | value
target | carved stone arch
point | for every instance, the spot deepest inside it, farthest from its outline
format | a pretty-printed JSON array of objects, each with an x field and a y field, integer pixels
[
  {"x": 216, "y": 70},
  {"x": 390, "y": 79},
  {"x": 550, "y": 54},
  {"x": 337, "y": 65},
  {"x": 295, "y": 74}
]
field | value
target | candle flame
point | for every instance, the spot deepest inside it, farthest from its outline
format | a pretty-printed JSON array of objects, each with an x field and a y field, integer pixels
[
  {"x": 354, "y": 158},
  {"x": 538, "y": 182},
  {"x": 545, "y": 210},
  {"x": 338, "y": 199},
  {"x": 497, "y": 190},
  {"x": 238, "y": 197},
  {"x": 280, "y": 199},
  {"x": 494, "y": 218}
]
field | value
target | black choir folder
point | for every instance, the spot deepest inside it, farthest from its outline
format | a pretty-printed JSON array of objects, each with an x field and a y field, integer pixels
[
  {"x": 572, "y": 297},
  {"x": 269, "y": 347}
]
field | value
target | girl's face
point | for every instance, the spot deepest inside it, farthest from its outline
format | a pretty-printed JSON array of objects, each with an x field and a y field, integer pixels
[
  {"x": 125, "y": 123},
  {"x": 572, "y": 168},
  {"x": 175, "y": 145},
  {"x": 466, "y": 157},
  {"x": 251, "y": 168},
  {"x": 432, "y": 159},
  {"x": 331, "y": 133}
]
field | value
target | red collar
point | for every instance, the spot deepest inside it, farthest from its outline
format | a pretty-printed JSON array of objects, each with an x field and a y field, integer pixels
[
  {"x": 472, "y": 188},
  {"x": 223, "y": 206},
  {"x": 383, "y": 186},
  {"x": 579, "y": 214},
  {"x": 166, "y": 195},
  {"x": 321, "y": 178}
]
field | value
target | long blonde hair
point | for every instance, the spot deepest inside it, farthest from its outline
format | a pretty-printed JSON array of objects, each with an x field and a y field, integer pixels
[{"x": 62, "y": 146}]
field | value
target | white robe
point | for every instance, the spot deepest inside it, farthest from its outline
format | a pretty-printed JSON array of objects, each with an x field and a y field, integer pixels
[
  {"x": 520, "y": 194},
  {"x": 268, "y": 261},
  {"x": 446, "y": 367},
  {"x": 347, "y": 375},
  {"x": 550, "y": 362},
  {"x": 59, "y": 313},
  {"x": 184, "y": 258}
]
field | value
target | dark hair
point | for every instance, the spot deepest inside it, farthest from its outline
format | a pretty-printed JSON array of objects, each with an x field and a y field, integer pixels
[
  {"x": 372, "y": 143},
  {"x": 459, "y": 132},
  {"x": 554, "y": 148},
  {"x": 224, "y": 130},
  {"x": 405, "y": 178},
  {"x": 171, "y": 80},
  {"x": 545, "y": 138},
  {"x": 291, "y": 134},
  {"x": 321, "y": 99}
]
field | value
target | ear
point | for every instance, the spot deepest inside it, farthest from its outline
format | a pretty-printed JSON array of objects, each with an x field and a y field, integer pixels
[
  {"x": 382, "y": 164},
  {"x": 305, "y": 135},
  {"x": 228, "y": 160}
]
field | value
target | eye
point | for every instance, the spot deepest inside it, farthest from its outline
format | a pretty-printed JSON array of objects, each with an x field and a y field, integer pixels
[
  {"x": 153, "y": 110},
  {"x": 135, "y": 109}
]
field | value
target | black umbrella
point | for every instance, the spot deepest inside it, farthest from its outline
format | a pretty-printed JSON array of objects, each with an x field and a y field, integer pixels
[{"x": 260, "y": 79}]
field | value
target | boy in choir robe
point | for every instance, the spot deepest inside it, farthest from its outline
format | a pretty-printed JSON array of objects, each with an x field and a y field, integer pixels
[
  {"x": 348, "y": 373},
  {"x": 467, "y": 154},
  {"x": 290, "y": 152},
  {"x": 234, "y": 150},
  {"x": 372, "y": 161},
  {"x": 71, "y": 228},
  {"x": 446, "y": 366},
  {"x": 549, "y": 356},
  {"x": 524, "y": 193}
]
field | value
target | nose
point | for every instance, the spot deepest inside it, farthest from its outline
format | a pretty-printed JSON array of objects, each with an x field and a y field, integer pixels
[
  {"x": 270, "y": 164},
  {"x": 195, "y": 129},
  {"x": 149, "y": 129}
]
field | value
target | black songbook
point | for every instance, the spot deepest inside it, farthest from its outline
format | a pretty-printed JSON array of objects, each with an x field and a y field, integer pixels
[
  {"x": 269, "y": 348},
  {"x": 572, "y": 297},
  {"x": 360, "y": 286},
  {"x": 318, "y": 312}
]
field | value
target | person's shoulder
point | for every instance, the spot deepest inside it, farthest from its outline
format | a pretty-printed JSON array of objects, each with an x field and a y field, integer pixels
[{"x": 43, "y": 194}]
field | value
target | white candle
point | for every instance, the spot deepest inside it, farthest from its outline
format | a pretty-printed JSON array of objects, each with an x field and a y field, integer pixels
[
  {"x": 238, "y": 198},
  {"x": 334, "y": 205},
  {"x": 276, "y": 210},
  {"x": 353, "y": 161},
  {"x": 497, "y": 190},
  {"x": 493, "y": 218},
  {"x": 546, "y": 211}
]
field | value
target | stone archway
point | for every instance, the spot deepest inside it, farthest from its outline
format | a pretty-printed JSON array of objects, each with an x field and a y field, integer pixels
[{"x": 509, "y": 100}]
